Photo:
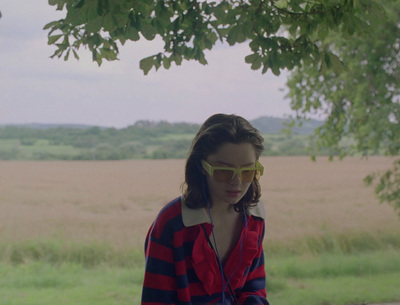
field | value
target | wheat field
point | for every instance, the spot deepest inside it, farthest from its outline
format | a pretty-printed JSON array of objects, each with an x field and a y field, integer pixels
[{"x": 116, "y": 201}]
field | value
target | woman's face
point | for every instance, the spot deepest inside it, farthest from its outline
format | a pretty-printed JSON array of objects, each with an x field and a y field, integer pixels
[{"x": 230, "y": 155}]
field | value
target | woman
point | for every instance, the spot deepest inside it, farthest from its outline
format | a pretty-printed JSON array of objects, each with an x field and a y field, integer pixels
[{"x": 205, "y": 247}]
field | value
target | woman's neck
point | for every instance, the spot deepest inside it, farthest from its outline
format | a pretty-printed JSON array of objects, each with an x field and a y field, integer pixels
[{"x": 223, "y": 212}]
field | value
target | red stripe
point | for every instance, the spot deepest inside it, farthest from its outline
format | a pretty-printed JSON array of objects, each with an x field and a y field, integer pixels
[
  {"x": 197, "y": 289},
  {"x": 160, "y": 282},
  {"x": 258, "y": 272},
  {"x": 161, "y": 252},
  {"x": 168, "y": 213}
]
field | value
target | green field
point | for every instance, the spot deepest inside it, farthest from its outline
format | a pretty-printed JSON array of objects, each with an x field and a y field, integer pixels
[
  {"x": 52, "y": 272},
  {"x": 165, "y": 147},
  {"x": 42, "y": 149}
]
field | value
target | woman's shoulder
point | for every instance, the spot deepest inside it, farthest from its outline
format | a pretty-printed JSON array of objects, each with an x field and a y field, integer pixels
[
  {"x": 257, "y": 211},
  {"x": 172, "y": 208},
  {"x": 169, "y": 216},
  {"x": 257, "y": 218}
]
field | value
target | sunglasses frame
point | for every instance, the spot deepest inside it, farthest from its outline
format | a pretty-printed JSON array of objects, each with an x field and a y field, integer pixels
[{"x": 258, "y": 168}]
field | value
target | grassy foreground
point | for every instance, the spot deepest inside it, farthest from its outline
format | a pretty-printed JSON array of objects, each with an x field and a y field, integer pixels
[{"x": 318, "y": 271}]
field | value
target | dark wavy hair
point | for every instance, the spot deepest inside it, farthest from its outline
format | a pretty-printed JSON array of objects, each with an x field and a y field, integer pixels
[{"x": 217, "y": 130}]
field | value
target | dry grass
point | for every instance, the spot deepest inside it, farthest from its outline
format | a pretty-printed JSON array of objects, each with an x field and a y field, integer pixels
[{"x": 116, "y": 201}]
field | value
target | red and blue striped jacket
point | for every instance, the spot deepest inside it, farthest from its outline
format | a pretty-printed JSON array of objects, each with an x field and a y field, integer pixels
[{"x": 182, "y": 269}]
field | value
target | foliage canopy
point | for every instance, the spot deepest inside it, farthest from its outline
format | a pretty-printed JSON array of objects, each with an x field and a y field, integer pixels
[
  {"x": 282, "y": 34},
  {"x": 361, "y": 103}
]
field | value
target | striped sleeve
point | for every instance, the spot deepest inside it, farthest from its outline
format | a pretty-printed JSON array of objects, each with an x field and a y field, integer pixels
[{"x": 160, "y": 285}]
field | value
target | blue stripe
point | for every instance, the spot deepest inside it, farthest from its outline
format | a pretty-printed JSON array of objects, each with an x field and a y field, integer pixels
[
  {"x": 158, "y": 296},
  {"x": 205, "y": 299},
  {"x": 254, "y": 299},
  {"x": 192, "y": 276},
  {"x": 180, "y": 253},
  {"x": 182, "y": 281},
  {"x": 255, "y": 284},
  {"x": 257, "y": 262},
  {"x": 172, "y": 226},
  {"x": 157, "y": 266}
]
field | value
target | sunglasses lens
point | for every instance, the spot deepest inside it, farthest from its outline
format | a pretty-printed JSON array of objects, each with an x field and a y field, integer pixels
[
  {"x": 223, "y": 175},
  {"x": 248, "y": 176},
  {"x": 226, "y": 175}
]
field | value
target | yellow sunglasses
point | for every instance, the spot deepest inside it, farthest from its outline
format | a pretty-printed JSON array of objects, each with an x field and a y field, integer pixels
[{"x": 226, "y": 174}]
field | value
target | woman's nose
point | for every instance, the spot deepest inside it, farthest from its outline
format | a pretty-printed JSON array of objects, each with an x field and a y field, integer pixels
[{"x": 236, "y": 180}]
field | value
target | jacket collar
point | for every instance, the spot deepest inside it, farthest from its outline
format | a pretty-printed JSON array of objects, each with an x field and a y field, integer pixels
[{"x": 192, "y": 217}]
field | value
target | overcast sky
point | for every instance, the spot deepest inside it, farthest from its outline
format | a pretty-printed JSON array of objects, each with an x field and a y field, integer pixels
[{"x": 37, "y": 89}]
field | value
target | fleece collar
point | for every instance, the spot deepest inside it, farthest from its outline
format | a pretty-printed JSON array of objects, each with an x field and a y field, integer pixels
[{"x": 192, "y": 217}]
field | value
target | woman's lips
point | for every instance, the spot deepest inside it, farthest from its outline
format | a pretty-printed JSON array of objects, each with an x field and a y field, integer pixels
[{"x": 233, "y": 193}]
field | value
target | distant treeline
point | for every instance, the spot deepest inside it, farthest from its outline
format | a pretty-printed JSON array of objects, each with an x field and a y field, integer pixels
[{"x": 145, "y": 139}]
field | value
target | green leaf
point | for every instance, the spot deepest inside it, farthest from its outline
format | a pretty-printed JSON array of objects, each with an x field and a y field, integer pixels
[
  {"x": 91, "y": 12},
  {"x": 57, "y": 53},
  {"x": 146, "y": 64},
  {"x": 368, "y": 180},
  {"x": 164, "y": 17},
  {"x": 60, "y": 6},
  {"x": 103, "y": 7},
  {"x": 222, "y": 33},
  {"x": 158, "y": 61},
  {"x": 254, "y": 45},
  {"x": 80, "y": 4},
  {"x": 132, "y": 33},
  {"x": 255, "y": 61},
  {"x": 323, "y": 31},
  {"x": 236, "y": 35},
  {"x": 96, "y": 57},
  {"x": 336, "y": 64},
  {"x": 166, "y": 62},
  {"x": 50, "y": 25},
  {"x": 177, "y": 59},
  {"x": 188, "y": 53},
  {"x": 75, "y": 54},
  {"x": 327, "y": 60},
  {"x": 202, "y": 59},
  {"x": 54, "y": 2},
  {"x": 53, "y": 39},
  {"x": 211, "y": 39},
  {"x": 148, "y": 31},
  {"x": 250, "y": 58},
  {"x": 67, "y": 55},
  {"x": 219, "y": 13},
  {"x": 275, "y": 69},
  {"x": 106, "y": 53},
  {"x": 109, "y": 24},
  {"x": 281, "y": 4},
  {"x": 94, "y": 26},
  {"x": 143, "y": 7},
  {"x": 265, "y": 67},
  {"x": 313, "y": 158}
]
